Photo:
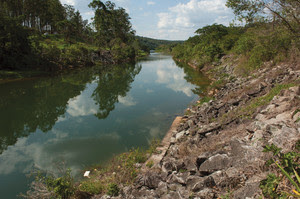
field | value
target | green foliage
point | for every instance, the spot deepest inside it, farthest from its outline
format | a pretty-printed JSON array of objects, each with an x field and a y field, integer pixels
[
  {"x": 113, "y": 189},
  {"x": 211, "y": 43},
  {"x": 63, "y": 187},
  {"x": 276, "y": 10},
  {"x": 122, "y": 169},
  {"x": 269, "y": 186},
  {"x": 287, "y": 164},
  {"x": 150, "y": 164},
  {"x": 59, "y": 187},
  {"x": 259, "y": 45},
  {"x": 205, "y": 99},
  {"x": 92, "y": 187},
  {"x": 263, "y": 100},
  {"x": 148, "y": 44},
  {"x": 14, "y": 42},
  {"x": 45, "y": 34},
  {"x": 110, "y": 23}
]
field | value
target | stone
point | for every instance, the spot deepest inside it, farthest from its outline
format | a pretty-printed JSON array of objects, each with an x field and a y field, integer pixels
[
  {"x": 214, "y": 163},
  {"x": 171, "y": 195},
  {"x": 173, "y": 178},
  {"x": 250, "y": 190},
  {"x": 296, "y": 117},
  {"x": 191, "y": 123},
  {"x": 150, "y": 180},
  {"x": 206, "y": 193},
  {"x": 295, "y": 89},
  {"x": 179, "y": 135},
  {"x": 203, "y": 183},
  {"x": 232, "y": 172},
  {"x": 218, "y": 177},
  {"x": 162, "y": 189}
]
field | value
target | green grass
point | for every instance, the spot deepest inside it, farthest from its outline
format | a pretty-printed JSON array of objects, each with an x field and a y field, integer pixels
[
  {"x": 264, "y": 100},
  {"x": 205, "y": 99},
  {"x": 248, "y": 110},
  {"x": 121, "y": 169}
]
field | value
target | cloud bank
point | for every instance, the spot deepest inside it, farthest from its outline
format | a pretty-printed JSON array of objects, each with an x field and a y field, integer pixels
[{"x": 182, "y": 20}]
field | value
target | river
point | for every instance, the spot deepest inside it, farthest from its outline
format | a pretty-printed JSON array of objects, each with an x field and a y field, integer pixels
[{"x": 86, "y": 116}]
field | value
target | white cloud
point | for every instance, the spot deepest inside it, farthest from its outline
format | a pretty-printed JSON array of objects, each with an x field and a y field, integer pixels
[
  {"x": 184, "y": 19},
  {"x": 69, "y": 2},
  {"x": 150, "y": 3},
  {"x": 90, "y": 13},
  {"x": 127, "y": 100},
  {"x": 83, "y": 104},
  {"x": 174, "y": 79}
]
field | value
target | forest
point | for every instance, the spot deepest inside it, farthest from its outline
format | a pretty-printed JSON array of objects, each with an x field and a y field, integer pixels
[
  {"x": 148, "y": 44},
  {"x": 265, "y": 31},
  {"x": 44, "y": 34}
]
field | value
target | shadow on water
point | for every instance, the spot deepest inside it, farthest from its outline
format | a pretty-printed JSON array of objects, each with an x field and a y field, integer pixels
[{"x": 26, "y": 106}]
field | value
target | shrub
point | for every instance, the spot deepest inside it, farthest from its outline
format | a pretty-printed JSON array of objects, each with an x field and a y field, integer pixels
[
  {"x": 245, "y": 43},
  {"x": 113, "y": 189},
  {"x": 92, "y": 186},
  {"x": 49, "y": 186},
  {"x": 288, "y": 165},
  {"x": 63, "y": 187}
]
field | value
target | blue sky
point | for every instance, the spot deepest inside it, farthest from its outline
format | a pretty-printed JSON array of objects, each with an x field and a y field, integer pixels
[{"x": 166, "y": 19}]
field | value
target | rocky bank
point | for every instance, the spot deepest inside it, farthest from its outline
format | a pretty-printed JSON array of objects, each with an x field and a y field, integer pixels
[{"x": 216, "y": 149}]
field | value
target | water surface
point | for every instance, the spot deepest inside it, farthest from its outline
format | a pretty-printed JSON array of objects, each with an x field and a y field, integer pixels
[{"x": 86, "y": 116}]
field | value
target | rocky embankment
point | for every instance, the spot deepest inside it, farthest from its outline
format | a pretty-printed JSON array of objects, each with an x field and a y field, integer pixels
[{"x": 216, "y": 149}]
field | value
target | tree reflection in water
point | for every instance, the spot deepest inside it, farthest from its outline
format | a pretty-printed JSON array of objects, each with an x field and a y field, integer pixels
[{"x": 29, "y": 105}]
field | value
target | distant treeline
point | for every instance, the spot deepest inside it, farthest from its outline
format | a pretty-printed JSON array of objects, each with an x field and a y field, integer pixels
[
  {"x": 272, "y": 37},
  {"x": 148, "y": 44},
  {"x": 47, "y": 34}
]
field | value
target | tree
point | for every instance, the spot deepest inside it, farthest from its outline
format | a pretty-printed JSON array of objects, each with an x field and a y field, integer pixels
[
  {"x": 285, "y": 11},
  {"x": 110, "y": 23}
]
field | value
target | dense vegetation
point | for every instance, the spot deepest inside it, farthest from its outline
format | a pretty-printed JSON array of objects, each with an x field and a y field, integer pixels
[
  {"x": 148, "y": 44},
  {"x": 273, "y": 37},
  {"x": 46, "y": 34}
]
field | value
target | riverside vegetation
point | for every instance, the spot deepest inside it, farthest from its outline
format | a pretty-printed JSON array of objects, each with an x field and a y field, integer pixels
[
  {"x": 222, "y": 146},
  {"x": 46, "y": 35}
]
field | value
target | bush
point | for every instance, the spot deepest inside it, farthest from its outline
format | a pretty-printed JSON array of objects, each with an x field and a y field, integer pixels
[
  {"x": 113, "y": 189},
  {"x": 258, "y": 55},
  {"x": 92, "y": 187},
  {"x": 63, "y": 187},
  {"x": 49, "y": 186},
  {"x": 245, "y": 43}
]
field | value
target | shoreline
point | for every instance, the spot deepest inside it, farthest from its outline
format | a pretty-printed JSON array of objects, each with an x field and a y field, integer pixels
[{"x": 219, "y": 145}]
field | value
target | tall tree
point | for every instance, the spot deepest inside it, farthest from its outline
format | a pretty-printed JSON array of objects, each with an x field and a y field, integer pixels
[
  {"x": 286, "y": 11},
  {"x": 111, "y": 23}
]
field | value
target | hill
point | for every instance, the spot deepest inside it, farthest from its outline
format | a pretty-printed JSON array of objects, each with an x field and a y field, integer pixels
[{"x": 152, "y": 44}]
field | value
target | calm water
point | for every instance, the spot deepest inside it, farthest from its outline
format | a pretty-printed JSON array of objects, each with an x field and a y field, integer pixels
[{"x": 86, "y": 116}]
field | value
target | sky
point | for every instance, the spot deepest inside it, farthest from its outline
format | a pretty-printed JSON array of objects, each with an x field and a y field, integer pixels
[{"x": 166, "y": 19}]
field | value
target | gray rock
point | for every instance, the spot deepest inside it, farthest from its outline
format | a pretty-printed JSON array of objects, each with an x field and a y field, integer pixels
[
  {"x": 250, "y": 190},
  {"x": 214, "y": 163},
  {"x": 172, "y": 195},
  {"x": 203, "y": 183},
  {"x": 173, "y": 178},
  {"x": 206, "y": 193},
  {"x": 149, "y": 179},
  {"x": 179, "y": 135},
  {"x": 162, "y": 189}
]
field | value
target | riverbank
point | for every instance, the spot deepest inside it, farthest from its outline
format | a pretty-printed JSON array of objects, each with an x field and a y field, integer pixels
[{"x": 217, "y": 150}]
